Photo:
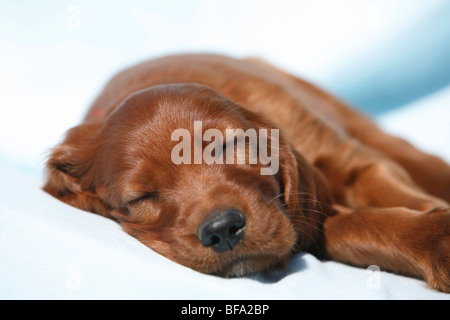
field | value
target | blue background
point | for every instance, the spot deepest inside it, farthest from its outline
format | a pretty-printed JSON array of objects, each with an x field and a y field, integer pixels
[{"x": 378, "y": 55}]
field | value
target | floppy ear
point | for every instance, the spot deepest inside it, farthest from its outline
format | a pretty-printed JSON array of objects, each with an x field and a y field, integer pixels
[
  {"x": 303, "y": 185},
  {"x": 301, "y": 180},
  {"x": 68, "y": 168},
  {"x": 306, "y": 192},
  {"x": 307, "y": 196}
]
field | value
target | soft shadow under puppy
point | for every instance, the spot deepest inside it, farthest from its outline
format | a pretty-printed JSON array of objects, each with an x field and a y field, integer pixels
[{"x": 297, "y": 263}]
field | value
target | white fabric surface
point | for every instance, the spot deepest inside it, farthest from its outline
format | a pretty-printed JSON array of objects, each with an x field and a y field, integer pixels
[{"x": 49, "y": 250}]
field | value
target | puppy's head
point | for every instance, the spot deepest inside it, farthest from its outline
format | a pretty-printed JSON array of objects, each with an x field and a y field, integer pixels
[{"x": 210, "y": 215}]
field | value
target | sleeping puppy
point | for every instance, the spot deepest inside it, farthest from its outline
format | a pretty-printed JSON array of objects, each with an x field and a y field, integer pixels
[{"x": 230, "y": 166}]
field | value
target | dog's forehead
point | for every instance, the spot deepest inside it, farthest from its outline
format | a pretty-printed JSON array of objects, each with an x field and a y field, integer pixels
[
  {"x": 156, "y": 113},
  {"x": 180, "y": 102},
  {"x": 151, "y": 123}
]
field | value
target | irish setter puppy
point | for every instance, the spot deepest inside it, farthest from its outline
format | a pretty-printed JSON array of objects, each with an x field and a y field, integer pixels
[{"x": 341, "y": 188}]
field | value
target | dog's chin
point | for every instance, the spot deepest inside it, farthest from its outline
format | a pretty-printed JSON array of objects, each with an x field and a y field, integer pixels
[{"x": 245, "y": 266}]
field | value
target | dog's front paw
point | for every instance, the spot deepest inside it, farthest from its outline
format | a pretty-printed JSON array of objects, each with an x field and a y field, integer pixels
[{"x": 436, "y": 229}]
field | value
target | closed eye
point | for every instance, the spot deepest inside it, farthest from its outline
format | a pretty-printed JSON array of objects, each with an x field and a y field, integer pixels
[{"x": 152, "y": 195}]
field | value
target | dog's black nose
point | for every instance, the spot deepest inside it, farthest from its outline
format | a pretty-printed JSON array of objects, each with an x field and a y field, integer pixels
[{"x": 223, "y": 231}]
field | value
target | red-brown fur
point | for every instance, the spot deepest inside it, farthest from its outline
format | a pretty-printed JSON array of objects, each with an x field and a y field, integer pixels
[{"x": 345, "y": 190}]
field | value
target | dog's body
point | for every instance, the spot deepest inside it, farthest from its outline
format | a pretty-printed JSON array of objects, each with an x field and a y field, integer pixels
[{"x": 345, "y": 190}]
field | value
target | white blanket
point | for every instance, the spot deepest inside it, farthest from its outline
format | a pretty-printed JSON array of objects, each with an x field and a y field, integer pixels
[{"x": 49, "y": 250}]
